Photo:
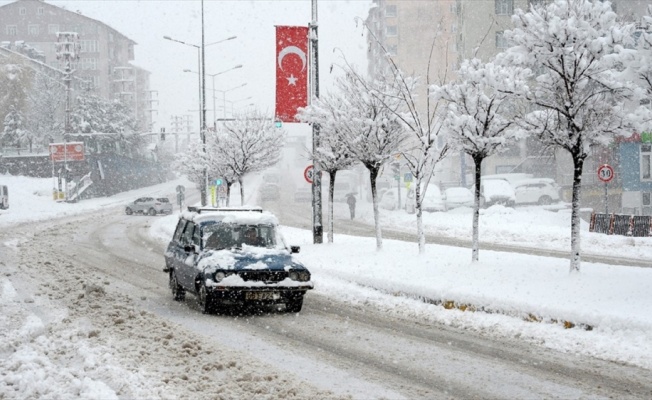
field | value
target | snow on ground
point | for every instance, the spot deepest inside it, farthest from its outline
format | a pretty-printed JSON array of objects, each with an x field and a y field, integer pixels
[{"x": 614, "y": 301}]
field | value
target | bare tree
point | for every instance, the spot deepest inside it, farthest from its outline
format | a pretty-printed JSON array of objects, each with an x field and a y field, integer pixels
[
  {"x": 333, "y": 153},
  {"x": 480, "y": 118},
  {"x": 579, "y": 101},
  {"x": 371, "y": 126},
  {"x": 248, "y": 144}
]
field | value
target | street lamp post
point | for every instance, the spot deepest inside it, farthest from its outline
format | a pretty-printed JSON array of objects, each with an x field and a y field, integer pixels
[
  {"x": 213, "y": 78},
  {"x": 224, "y": 96},
  {"x": 202, "y": 95}
]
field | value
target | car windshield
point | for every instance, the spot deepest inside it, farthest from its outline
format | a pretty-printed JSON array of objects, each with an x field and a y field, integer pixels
[{"x": 227, "y": 236}]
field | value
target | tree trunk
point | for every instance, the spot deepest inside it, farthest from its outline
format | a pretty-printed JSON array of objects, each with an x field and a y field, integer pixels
[
  {"x": 242, "y": 198},
  {"x": 578, "y": 163},
  {"x": 373, "y": 174},
  {"x": 331, "y": 193},
  {"x": 228, "y": 192},
  {"x": 475, "y": 246},
  {"x": 419, "y": 212}
]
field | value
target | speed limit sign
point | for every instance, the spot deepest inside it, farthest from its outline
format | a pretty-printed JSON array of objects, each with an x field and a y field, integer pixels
[
  {"x": 308, "y": 173},
  {"x": 605, "y": 173}
]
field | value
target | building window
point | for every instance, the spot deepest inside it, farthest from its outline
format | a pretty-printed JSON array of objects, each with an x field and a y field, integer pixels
[
  {"x": 390, "y": 11},
  {"x": 646, "y": 199},
  {"x": 33, "y": 30},
  {"x": 39, "y": 11},
  {"x": 391, "y": 30},
  {"x": 12, "y": 30},
  {"x": 504, "y": 7},
  {"x": 646, "y": 164},
  {"x": 88, "y": 46},
  {"x": 22, "y": 11},
  {"x": 392, "y": 49},
  {"x": 501, "y": 42},
  {"x": 53, "y": 29},
  {"x": 110, "y": 37},
  {"x": 89, "y": 63}
]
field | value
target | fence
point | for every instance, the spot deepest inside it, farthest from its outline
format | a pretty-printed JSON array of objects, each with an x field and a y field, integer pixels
[{"x": 625, "y": 225}]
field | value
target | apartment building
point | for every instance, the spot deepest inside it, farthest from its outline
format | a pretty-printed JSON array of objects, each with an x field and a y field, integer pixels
[
  {"x": 456, "y": 30},
  {"x": 104, "y": 66}
]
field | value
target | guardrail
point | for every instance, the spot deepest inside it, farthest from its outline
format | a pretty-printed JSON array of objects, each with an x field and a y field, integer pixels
[{"x": 624, "y": 225}]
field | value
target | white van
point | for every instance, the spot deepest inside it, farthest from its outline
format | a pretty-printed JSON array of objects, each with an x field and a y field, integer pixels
[
  {"x": 4, "y": 197},
  {"x": 542, "y": 191}
]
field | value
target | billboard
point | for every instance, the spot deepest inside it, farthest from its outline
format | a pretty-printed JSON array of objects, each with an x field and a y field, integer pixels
[{"x": 71, "y": 151}]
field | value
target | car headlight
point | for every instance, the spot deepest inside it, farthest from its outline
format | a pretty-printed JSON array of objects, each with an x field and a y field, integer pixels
[
  {"x": 300, "y": 276},
  {"x": 219, "y": 276}
]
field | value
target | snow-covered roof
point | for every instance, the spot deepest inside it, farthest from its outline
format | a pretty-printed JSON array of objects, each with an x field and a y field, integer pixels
[{"x": 232, "y": 215}]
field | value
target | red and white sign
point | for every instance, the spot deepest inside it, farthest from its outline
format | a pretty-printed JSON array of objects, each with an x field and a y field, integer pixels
[
  {"x": 605, "y": 173},
  {"x": 72, "y": 151},
  {"x": 307, "y": 173},
  {"x": 291, "y": 71}
]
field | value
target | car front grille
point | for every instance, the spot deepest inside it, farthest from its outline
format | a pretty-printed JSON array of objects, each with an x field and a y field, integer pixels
[{"x": 263, "y": 276}]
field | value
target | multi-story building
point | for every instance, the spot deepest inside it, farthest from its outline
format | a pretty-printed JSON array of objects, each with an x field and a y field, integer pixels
[
  {"x": 455, "y": 30},
  {"x": 104, "y": 54}
]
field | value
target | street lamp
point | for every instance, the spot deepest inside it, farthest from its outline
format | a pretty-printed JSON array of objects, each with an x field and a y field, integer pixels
[
  {"x": 213, "y": 78},
  {"x": 224, "y": 95},
  {"x": 237, "y": 101},
  {"x": 202, "y": 92}
]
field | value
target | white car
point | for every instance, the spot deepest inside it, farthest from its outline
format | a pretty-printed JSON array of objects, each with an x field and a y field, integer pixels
[
  {"x": 541, "y": 191},
  {"x": 458, "y": 197},
  {"x": 496, "y": 191},
  {"x": 433, "y": 200},
  {"x": 389, "y": 199}
]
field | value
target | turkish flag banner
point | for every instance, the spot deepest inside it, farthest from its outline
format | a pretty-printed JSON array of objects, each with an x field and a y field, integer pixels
[{"x": 291, "y": 71}]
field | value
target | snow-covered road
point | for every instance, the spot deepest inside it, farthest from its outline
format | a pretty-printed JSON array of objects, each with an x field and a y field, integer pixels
[{"x": 96, "y": 282}]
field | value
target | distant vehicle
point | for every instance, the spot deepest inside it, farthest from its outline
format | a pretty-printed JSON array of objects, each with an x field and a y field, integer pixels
[
  {"x": 512, "y": 178},
  {"x": 458, "y": 197},
  {"x": 389, "y": 199},
  {"x": 496, "y": 191},
  {"x": 149, "y": 206},
  {"x": 344, "y": 184},
  {"x": 4, "y": 197},
  {"x": 431, "y": 202},
  {"x": 269, "y": 191},
  {"x": 542, "y": 191},
  {"x": 303, "y": 194},
  {"x": 234, "y": 257}
]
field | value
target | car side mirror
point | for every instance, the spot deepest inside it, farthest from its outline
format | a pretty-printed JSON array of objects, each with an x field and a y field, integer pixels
[{"x": 295, "y": 249}]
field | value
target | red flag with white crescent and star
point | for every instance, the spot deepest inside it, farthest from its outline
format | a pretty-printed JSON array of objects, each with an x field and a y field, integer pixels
[{"x": 291, "y": 71}]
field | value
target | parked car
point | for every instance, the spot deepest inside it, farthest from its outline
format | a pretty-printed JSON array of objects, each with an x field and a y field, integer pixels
[
  {"x": 541, "y": 191},
  {"x": 512, "y": 178},
  {"x": 234, "y": 257},
  {"x": 496, "y": 191},
  {"x": 149, "y": 205},
  {"x": 269, "y": 191},
  {"x": 4, "y": 197},
  {"x": 458, "y": 197},
  {"x": 431, "y": 202},
  {"x": 389, "y": 199}
]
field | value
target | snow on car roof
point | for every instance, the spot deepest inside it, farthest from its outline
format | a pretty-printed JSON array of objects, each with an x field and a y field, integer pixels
[{"x": 234, "y": 215}]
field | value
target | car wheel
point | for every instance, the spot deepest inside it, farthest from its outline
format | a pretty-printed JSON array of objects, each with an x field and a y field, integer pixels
[
  {"x": 545, "y": 200},
  {"x": 129, "y": 211},
  {"x": 152, "y": 211},
  {"x": 205, "y": 300},
  {"x": 178, "y": 292},
  {"x": 294, "y": 305}
]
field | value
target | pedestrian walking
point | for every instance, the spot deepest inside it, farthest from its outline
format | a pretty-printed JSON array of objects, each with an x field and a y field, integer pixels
[{"x": 350, "y": 200}]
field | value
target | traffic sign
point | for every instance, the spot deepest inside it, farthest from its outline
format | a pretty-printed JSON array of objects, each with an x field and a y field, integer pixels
[
  {"x": 605, "y": 173},
  {"x": 307, "y": 173}
]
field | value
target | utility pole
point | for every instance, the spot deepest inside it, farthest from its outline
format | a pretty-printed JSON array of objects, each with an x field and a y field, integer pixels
[
  {"x": 176, "y": 124},
  {"x": 317, "y": 225},
  {"x": 188, "y": 123}
]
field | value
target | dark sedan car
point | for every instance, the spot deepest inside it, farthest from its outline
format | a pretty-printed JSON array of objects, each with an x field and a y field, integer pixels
[{"x": 234, "y": 257}]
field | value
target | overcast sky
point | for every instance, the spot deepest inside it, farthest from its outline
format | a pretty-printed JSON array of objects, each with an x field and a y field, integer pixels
[{"x": 147, "y": 21}]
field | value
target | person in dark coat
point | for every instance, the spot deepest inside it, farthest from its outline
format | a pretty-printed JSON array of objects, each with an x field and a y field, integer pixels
[{"x": 350, "y": 200}]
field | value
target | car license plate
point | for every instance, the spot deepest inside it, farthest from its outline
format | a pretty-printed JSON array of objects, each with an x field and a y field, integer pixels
[{"x": 262, "y": 296}]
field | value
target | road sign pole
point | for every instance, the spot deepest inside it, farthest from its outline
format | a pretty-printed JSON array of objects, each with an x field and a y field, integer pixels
[{"x": 606, "y": 199}]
